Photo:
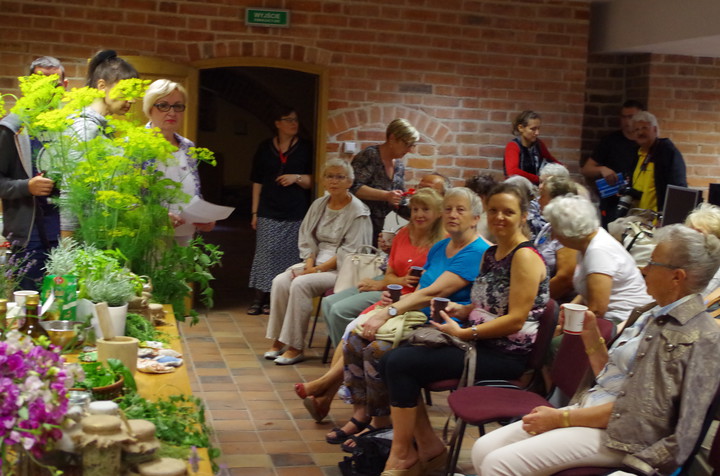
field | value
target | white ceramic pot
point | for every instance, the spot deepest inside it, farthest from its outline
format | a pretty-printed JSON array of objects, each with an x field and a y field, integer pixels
[{"x": 118, "y": 316}]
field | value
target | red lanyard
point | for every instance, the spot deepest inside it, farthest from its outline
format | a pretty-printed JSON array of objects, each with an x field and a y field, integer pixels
[{"x": 283, "y": 157}]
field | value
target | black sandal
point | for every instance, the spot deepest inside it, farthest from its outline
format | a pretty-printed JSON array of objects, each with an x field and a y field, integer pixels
[
  {"x": 255, "y": 309},
  {"x": 341, "y": 436},
  {"x": 266, "y": 309},
  {"x": 349, "y": 449}
]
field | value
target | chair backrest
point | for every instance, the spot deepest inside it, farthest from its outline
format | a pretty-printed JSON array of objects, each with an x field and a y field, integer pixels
[
  {"x": 571, "y": 362},
  {"x": 546, "y": 328}
]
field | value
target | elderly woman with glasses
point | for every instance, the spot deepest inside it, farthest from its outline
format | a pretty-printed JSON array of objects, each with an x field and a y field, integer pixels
[
  {"x": 336, "y": 224},
  {"x": 282, "y": 178},
  {"x": 606, "y": 278},
  {"x": 651, "y": 389},
  {"x": 164, "y": 104},
  {"x": 380, "y": 174}
]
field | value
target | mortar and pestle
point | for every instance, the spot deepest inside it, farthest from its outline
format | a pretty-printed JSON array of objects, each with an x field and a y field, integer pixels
[{"x": 123, "y": 348}]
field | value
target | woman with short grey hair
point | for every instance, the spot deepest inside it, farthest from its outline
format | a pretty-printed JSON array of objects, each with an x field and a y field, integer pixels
[
  {"x": 606, "y": 278},
  {"x": 472, "y": 198},
  {"x": 706, "y": 219}
]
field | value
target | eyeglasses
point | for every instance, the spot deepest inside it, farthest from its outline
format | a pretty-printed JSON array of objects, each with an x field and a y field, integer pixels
[
  {"x": 165, "y": 107},
  {"x": 290, "y": 120},
  {"x": 336, "y": 177},
  {"x": 663, "y": 265}
]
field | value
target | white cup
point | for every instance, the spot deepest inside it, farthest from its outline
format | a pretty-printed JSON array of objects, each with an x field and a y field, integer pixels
[
  {"x": 574, "y": 317},
  {"x": 20, "y": 297}
]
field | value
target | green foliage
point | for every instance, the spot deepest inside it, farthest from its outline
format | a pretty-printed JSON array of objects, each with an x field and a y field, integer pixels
[
  {"x": 111, "y": 184},
  {"x": 140, "y": 328},
  {"x": 99, "y": 374},
  {"x": 181, "y": 265}
]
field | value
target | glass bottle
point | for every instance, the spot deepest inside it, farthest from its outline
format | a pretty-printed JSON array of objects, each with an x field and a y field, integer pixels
[
  {"x": 32, "y": 326},
  {"x": 3, "y": 320}
]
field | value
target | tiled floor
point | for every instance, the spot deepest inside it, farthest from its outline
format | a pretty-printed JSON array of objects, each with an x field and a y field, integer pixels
[{"x": 261, "y": 426}]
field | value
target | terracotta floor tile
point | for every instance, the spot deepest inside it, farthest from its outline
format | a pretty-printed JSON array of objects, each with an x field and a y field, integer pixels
[
  {"x": 236, "y": 436},
  {"x": 241, "y": 448},
  {"x": 248, "y": 461},
  {"x": 300, "y": 471},
  {"x": 230, "y": 414},
  {"x": 252, "y": 472},
  {"x": 276, "y": 447},
  {"x": 288, "y": 459}
]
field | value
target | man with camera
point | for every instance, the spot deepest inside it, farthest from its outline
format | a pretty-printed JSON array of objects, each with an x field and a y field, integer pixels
[{"x": 616, "y": 153}]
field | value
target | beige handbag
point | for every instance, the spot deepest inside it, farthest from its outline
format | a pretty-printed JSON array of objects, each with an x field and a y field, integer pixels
[
  {"x": 365, "y": 263},
  {"x": 396, "y": 329}
]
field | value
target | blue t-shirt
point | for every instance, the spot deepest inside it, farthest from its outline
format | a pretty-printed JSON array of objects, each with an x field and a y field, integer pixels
[{"x": 465, "y": 263}]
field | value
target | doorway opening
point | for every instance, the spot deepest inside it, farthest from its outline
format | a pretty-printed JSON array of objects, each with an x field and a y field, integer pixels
[{"x": 235, "y": 109}]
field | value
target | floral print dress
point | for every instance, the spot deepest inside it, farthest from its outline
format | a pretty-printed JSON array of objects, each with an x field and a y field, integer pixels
[{"x": 490, "y": 295}]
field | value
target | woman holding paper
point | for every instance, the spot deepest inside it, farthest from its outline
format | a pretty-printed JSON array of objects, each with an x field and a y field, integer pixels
[{"x": 164, "y": 105}]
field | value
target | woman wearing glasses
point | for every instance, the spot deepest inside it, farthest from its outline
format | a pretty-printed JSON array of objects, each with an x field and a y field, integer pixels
[
  {"x": 380, "y": 174},
  {"x": 164, "y": 104},
  {"x": 336, "y": 224},
  {"x": 282, "y": 177}
]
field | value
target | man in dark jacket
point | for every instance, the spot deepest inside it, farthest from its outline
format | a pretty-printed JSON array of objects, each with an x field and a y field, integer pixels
[
  {"x": 30, "y": 222},
  {"x": 659, "y": 163}
]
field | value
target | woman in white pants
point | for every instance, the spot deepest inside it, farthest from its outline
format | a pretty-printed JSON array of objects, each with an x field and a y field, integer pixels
[{"x": 336, "y": 224}]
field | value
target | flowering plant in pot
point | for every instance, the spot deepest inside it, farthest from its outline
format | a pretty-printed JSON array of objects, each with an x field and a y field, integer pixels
[
  {"x": 34, "y": 386},
  {"x": 109, "y": 183}
]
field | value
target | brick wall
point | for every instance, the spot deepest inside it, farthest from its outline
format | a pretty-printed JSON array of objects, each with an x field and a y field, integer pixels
[
  {"x": 458, "y": 69},
  {"x": 682, "y": 91}
]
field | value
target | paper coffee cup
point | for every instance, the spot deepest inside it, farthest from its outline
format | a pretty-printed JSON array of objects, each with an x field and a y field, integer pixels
[
  {"x": 439, "y": 304},
  {"x": 395, "y": 291},
  {"x": 574, "y": 317},
  {"x": 20, "y": 297}
]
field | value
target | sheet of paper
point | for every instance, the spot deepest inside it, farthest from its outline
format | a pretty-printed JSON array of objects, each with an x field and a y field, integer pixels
[{"x": 200, "y": 211}]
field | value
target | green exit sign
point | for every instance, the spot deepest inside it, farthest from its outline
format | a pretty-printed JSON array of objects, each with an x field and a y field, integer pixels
[{"x": 267, "y": 17}]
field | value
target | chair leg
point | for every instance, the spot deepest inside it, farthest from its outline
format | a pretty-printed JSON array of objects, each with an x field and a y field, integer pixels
[
  {"x": 326, "y": 353},
  {"x": 455, "y": 447},
  {"x": 317, "y": 316},
  {"x": 428, "y": 397}
]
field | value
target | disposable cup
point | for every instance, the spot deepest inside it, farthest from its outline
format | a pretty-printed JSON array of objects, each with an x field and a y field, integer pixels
[
  {"x": 395, "y": 291},
  {"x": 439, "y": 304},
  {"x": 574, "y": 317},
  {"x": 416, "y": 271}
]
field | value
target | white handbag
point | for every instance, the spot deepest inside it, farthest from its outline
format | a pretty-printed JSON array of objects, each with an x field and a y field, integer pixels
[{"x": 366, "y": 262}]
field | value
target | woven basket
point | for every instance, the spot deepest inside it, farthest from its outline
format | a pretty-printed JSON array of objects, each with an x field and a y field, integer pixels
[{"x": 108, "y": 392}]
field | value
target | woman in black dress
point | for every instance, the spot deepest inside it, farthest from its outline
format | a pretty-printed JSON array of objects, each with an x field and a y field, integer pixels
[{"x": 282, "y": 177}]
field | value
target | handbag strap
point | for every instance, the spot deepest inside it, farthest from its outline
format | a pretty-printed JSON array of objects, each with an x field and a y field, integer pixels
[
  {"x": 362, "y": 249},
  {"x": 467, "y": 376}
]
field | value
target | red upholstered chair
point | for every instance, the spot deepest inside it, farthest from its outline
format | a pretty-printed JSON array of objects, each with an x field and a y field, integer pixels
[
  {"x": 479, "y": 405},
  {"x": 532, "y": 379}
]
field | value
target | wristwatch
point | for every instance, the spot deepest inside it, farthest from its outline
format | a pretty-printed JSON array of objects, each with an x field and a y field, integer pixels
[{"x": 392, "y": 311}]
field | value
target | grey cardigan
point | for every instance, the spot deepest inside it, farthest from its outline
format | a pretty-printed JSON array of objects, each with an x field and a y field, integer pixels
[{"x": 356, "y": 226}]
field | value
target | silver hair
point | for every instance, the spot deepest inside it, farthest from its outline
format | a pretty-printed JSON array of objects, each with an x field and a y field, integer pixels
[
  {"x": 572, "y": 216},
  {"x": 523, "y": 184},
  {"x": 645, "y": 116},
  {"x": 553, "y": 170},
  {"x": 472, "y": 198},
  {"x": 696, "y": 253},
  {"x": 159, "y": 89},
  {"x": 340, "y": 163},
  {"x": 47, "y": 62}
]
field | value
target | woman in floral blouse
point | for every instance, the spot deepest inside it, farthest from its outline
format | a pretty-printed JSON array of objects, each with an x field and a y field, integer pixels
[{"x": 380, "y": 174}]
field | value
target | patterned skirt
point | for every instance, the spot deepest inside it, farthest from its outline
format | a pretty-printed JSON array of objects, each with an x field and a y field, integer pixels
[{"x": 275, "y": 251}]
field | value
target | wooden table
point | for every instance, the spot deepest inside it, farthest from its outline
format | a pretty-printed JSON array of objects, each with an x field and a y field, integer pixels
[{"x": 155, "y": 386}]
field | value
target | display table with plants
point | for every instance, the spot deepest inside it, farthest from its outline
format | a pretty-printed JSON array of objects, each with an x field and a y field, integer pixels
[{"x": 167, "y": 401}]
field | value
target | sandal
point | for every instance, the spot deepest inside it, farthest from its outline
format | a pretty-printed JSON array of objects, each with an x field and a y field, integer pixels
[
  {"x": 255, "y": 309},
  {"x": 341, "y": 435},
  {"x": 346, "y": 446},
  {"x": 266, "y": 309}
]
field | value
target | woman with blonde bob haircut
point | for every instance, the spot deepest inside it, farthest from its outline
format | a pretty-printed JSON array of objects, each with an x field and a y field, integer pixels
[
  {"x": 606, "y": 279},
  {"x": 164, "y": 104}
]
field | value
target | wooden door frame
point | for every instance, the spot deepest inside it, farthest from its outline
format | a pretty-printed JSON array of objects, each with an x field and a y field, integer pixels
[
  {"x": 191, "y": 84},
  {"x": 322, "y": 74}
]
